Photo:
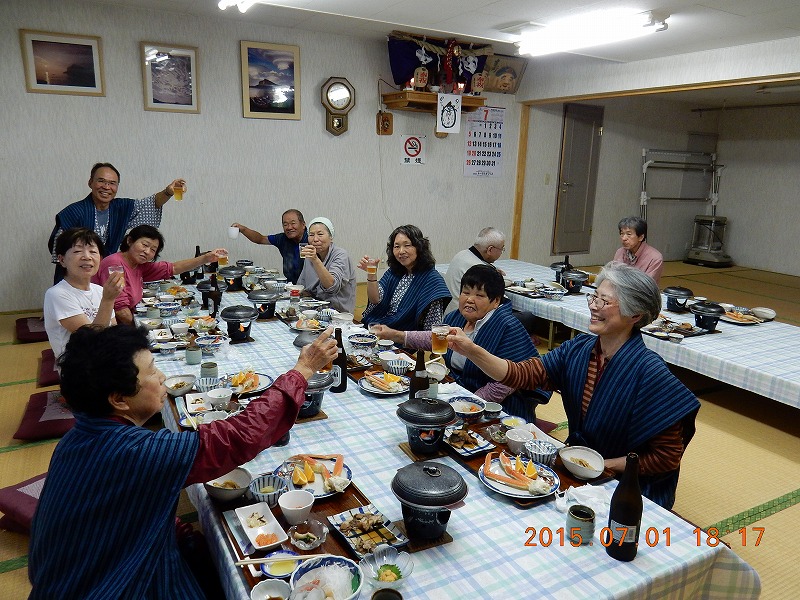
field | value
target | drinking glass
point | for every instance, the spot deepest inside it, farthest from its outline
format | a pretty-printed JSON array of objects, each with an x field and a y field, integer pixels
[
  {"x": 439, "y": 338},
  {"x": 178, "y": 192},
  {"x": 117, "y": 269},
  {"x": 222, "y": 259}
]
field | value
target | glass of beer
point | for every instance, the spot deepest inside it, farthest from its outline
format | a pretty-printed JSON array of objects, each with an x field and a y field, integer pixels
[
  {"x": 439, "y": 338},
  {"x": 117, "y": 269},
  {"x": 178, "y": 192},
  {"x": 222, "y": 259},
  {"x": 372, "y": 266}
]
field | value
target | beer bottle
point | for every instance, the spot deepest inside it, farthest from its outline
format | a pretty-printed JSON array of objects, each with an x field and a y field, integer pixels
[
  {"x": 214, "y": 297},
  {"x": 339, "y": 364},
  {"x": 625, "y": 513},
  {"x": 419, "y": 381},
  {"x": 198, "y": 272}
]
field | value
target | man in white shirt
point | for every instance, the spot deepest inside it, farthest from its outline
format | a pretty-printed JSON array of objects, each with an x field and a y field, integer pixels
[{"x": 488, "y": 247}]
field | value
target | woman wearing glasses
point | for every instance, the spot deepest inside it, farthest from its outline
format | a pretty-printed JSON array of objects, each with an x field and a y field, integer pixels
[{"x": 618, "y": 395}]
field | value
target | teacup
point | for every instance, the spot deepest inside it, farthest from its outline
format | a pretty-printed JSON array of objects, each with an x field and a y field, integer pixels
[{"x": 296, "y": 505}]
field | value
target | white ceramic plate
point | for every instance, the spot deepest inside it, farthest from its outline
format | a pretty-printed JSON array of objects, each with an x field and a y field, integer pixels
[
  {"x": 197, "y": 403},
  {"x": 316, "y": 487},
  {"x": 512, "y": 492},
  {"x": 484, "y": 445},
  {"x": 368, "y": 387},
  {"x": 294, "y": 327},
  {"x": 240, "y": 539},
  {"x": 270, "y": 525},
  {"x": 386, "y": 533},
  {"x": 264, "y": 381}
]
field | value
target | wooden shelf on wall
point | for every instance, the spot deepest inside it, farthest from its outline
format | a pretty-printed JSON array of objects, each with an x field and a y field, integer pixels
[{"x": 426, "y": 101}]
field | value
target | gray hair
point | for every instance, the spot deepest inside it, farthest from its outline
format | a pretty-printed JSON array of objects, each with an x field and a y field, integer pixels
[
  {"x": 637, "y": 292},
  {"x": 638, "y": 224},
  {"x": 489, "y": 236}
]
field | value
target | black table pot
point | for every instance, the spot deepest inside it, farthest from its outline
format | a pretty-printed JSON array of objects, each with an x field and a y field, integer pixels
[
  {"x": 573, "y": 280},
  {"x": 239, "y": 318},
  {"x": 426, "y": 490},
  {"x": 706, "y": 314},
  {"x": 233, "y": 277},
  {"x": 264, "y": 302},
  {"x": 205, "y": 286},
  {"x": 315, "y": 391},
  {"x": 677, "y": 297},
  {"x": 425, "y": 420}
]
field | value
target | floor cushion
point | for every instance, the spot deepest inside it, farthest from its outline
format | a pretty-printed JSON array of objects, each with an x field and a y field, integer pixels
[
  {"x": 18, "y": 503},
  {"x": 31, "y": 329},
  {"x": 47, "y": 370},
  {"x": 45, "y": 417}
]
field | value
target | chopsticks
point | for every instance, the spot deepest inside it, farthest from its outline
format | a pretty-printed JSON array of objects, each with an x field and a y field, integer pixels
[
  {"x": 181, "y": 404},
  {"x": 266, "y": 560}
]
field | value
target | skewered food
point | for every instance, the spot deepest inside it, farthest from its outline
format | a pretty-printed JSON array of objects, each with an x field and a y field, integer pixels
[{"x": 361, "y": 523}]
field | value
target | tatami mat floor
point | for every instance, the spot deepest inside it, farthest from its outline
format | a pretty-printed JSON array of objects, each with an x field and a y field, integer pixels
[{"x": 741, "y": 470}]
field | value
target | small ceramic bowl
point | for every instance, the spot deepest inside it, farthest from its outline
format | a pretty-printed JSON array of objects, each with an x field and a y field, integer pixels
[
  {"x": 541, "y": 451},
  {"x": 151, "y": 323},
  {"x": 168, "y": 309},
  {"x": 531, "y": 285},
  {"x": 299, "y": 534},
  {"x": 386, "y": 356},
  {"x": 309, "y": 314},
  {"x": 219, "y": 397},
  {"x": 676, "y": 338},
  {"x": 362, "y": 341},
  {"x": 385, "y": 554},
  {"x": 570, "y": 454},
  {"x": 764, "y": 313},
  {"x": 512, "y": 422},
  {"x": 178, "y": 385},
  {"x": 167, "y": 348},
  {"x": 205, "y": 384},
  {"x": 553, "y": 294},
  {"x": 326, "y": 313},
  {"x": 271, "y": 589},
  {"x": 260, "y": 486},
  {"x": 468, "y": 409},
  {"x": 397, "y": 366},
  {"x": 210, "y": 344},
  {"x": 230, "y": 486},
  {"x": 517, "y": 439},
  {"x": 180, "y": 328},
  {"x": 497, "y": 433},
  {"x": 385, "y": 345},
  {"x": 280, "y": 569},
  {"x": 437, "y": 370},
  {"x": 211, "y": 415},
  {"x": 492, "y": 410}
]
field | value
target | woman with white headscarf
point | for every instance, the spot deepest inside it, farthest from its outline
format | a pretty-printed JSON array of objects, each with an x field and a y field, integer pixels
[{"x": 328, "y": 273}]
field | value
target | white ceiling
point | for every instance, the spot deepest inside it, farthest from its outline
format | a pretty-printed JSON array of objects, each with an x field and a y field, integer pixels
[{"x": 693, "y": 26}]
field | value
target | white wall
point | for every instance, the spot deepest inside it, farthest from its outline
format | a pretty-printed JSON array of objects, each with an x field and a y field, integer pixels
[
  {"x": 247, "y": 170},
  {"x": 629, "y": 124}
]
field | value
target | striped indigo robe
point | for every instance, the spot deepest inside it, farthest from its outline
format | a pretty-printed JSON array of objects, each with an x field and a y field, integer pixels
[
  {"x": 636, "y": 398},
  {"x": 82, "y": 214},
  {"x": 504, "y": 336},
  {"x": 104, "y": 527},
  {"x": 426, "y": 287}
]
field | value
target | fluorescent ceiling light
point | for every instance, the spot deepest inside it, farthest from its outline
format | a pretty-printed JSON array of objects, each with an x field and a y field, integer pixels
[
  {"x": 242, "y": 4},
  {"x": 588, "y": 30},
  {"x": 778, "y": 89}
]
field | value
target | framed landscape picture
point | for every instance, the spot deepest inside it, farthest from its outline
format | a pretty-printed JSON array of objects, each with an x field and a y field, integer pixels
[
  {"x": 504, "y": 73},
  {"x": 270, "y": 81},
  {"x": 62, "y": 63},
  {"x": 169, "y": 78}
]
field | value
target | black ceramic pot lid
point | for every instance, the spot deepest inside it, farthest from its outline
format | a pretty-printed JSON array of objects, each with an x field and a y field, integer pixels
[
  {"x": 304, "y": 338},
  {"x": 429, "y": 483},
  {"x": 426, "y": 412},
  {"x": 204, "y": 286},
  {"x": 239, "y": 313},
  {"x": 244, "y": 263},
  {"x": 263, "y": 296},
  {"x": 678, "y": 292},
  {"x": 709, "y": 309},
  {"x": 231, "y": 272},
  {"x": 575, "y": 275}
]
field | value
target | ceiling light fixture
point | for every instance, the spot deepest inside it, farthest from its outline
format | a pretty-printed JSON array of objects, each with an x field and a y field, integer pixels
[
  {"x": 590, "y": 29},
  {"x": 778, "y": 89}
]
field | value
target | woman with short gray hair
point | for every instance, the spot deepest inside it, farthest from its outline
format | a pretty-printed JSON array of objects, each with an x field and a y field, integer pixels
[
  {"x": 635, "y": 251},
  {"x": 619, "y": 396}
]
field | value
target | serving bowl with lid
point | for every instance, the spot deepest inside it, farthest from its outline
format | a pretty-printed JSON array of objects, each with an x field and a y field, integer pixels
[
  {"x": 239, "y": 318},
  {"x": 425, "y": 420},
  {"x": 677, "y": 297},
  {"x": 706, "y": 314}
]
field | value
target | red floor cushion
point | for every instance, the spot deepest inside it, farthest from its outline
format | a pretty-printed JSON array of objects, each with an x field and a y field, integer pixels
[
  {"x": 18, "y": 503},
  {"x": 47, "y": 370},
  {"x": 31, "y": 329},
  {"x": 45, "y": 417}
]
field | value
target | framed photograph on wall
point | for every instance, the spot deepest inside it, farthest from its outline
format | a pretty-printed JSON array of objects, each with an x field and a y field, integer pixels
[
  {"x": 62, "y": 63},
  {"x": 504, "y": 73},
  {"x": 169, "y": 78},
  {"x": 270, "y": 81}
]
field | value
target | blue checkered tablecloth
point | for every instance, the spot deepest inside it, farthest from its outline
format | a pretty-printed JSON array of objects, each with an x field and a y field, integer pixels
[
  {"x": 760, "y": 358},
  {"x": 488, "y": 557}
]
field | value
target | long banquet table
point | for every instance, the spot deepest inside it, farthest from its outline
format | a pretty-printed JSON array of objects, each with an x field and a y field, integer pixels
[
  {"x": 760, "y": 358},
  {"x": 488, "y": 557}
]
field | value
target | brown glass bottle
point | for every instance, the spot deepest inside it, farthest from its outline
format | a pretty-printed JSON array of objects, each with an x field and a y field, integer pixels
[
  {"x": 625, "y": 513},
  {"x": 339, "y": 364},
  {"x": 419, "y": 380}
]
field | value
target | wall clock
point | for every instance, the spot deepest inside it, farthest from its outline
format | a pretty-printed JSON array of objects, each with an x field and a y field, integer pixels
[{"x": 338, "y": 97}]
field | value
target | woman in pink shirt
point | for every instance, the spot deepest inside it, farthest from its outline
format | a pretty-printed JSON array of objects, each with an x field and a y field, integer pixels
[{"x": 635, "y": 251}]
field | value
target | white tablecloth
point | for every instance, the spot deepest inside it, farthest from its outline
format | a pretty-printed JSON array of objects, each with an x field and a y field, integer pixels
[
  {"x": 488, "y": 557},
  {"x": 760, "y": 358}
]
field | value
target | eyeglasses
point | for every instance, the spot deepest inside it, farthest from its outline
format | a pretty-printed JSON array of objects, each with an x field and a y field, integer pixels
[
  {"x": 107, "y": 182},
  {"x": 503, "y": 249},
  {"x": 600, "y": 303}
]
